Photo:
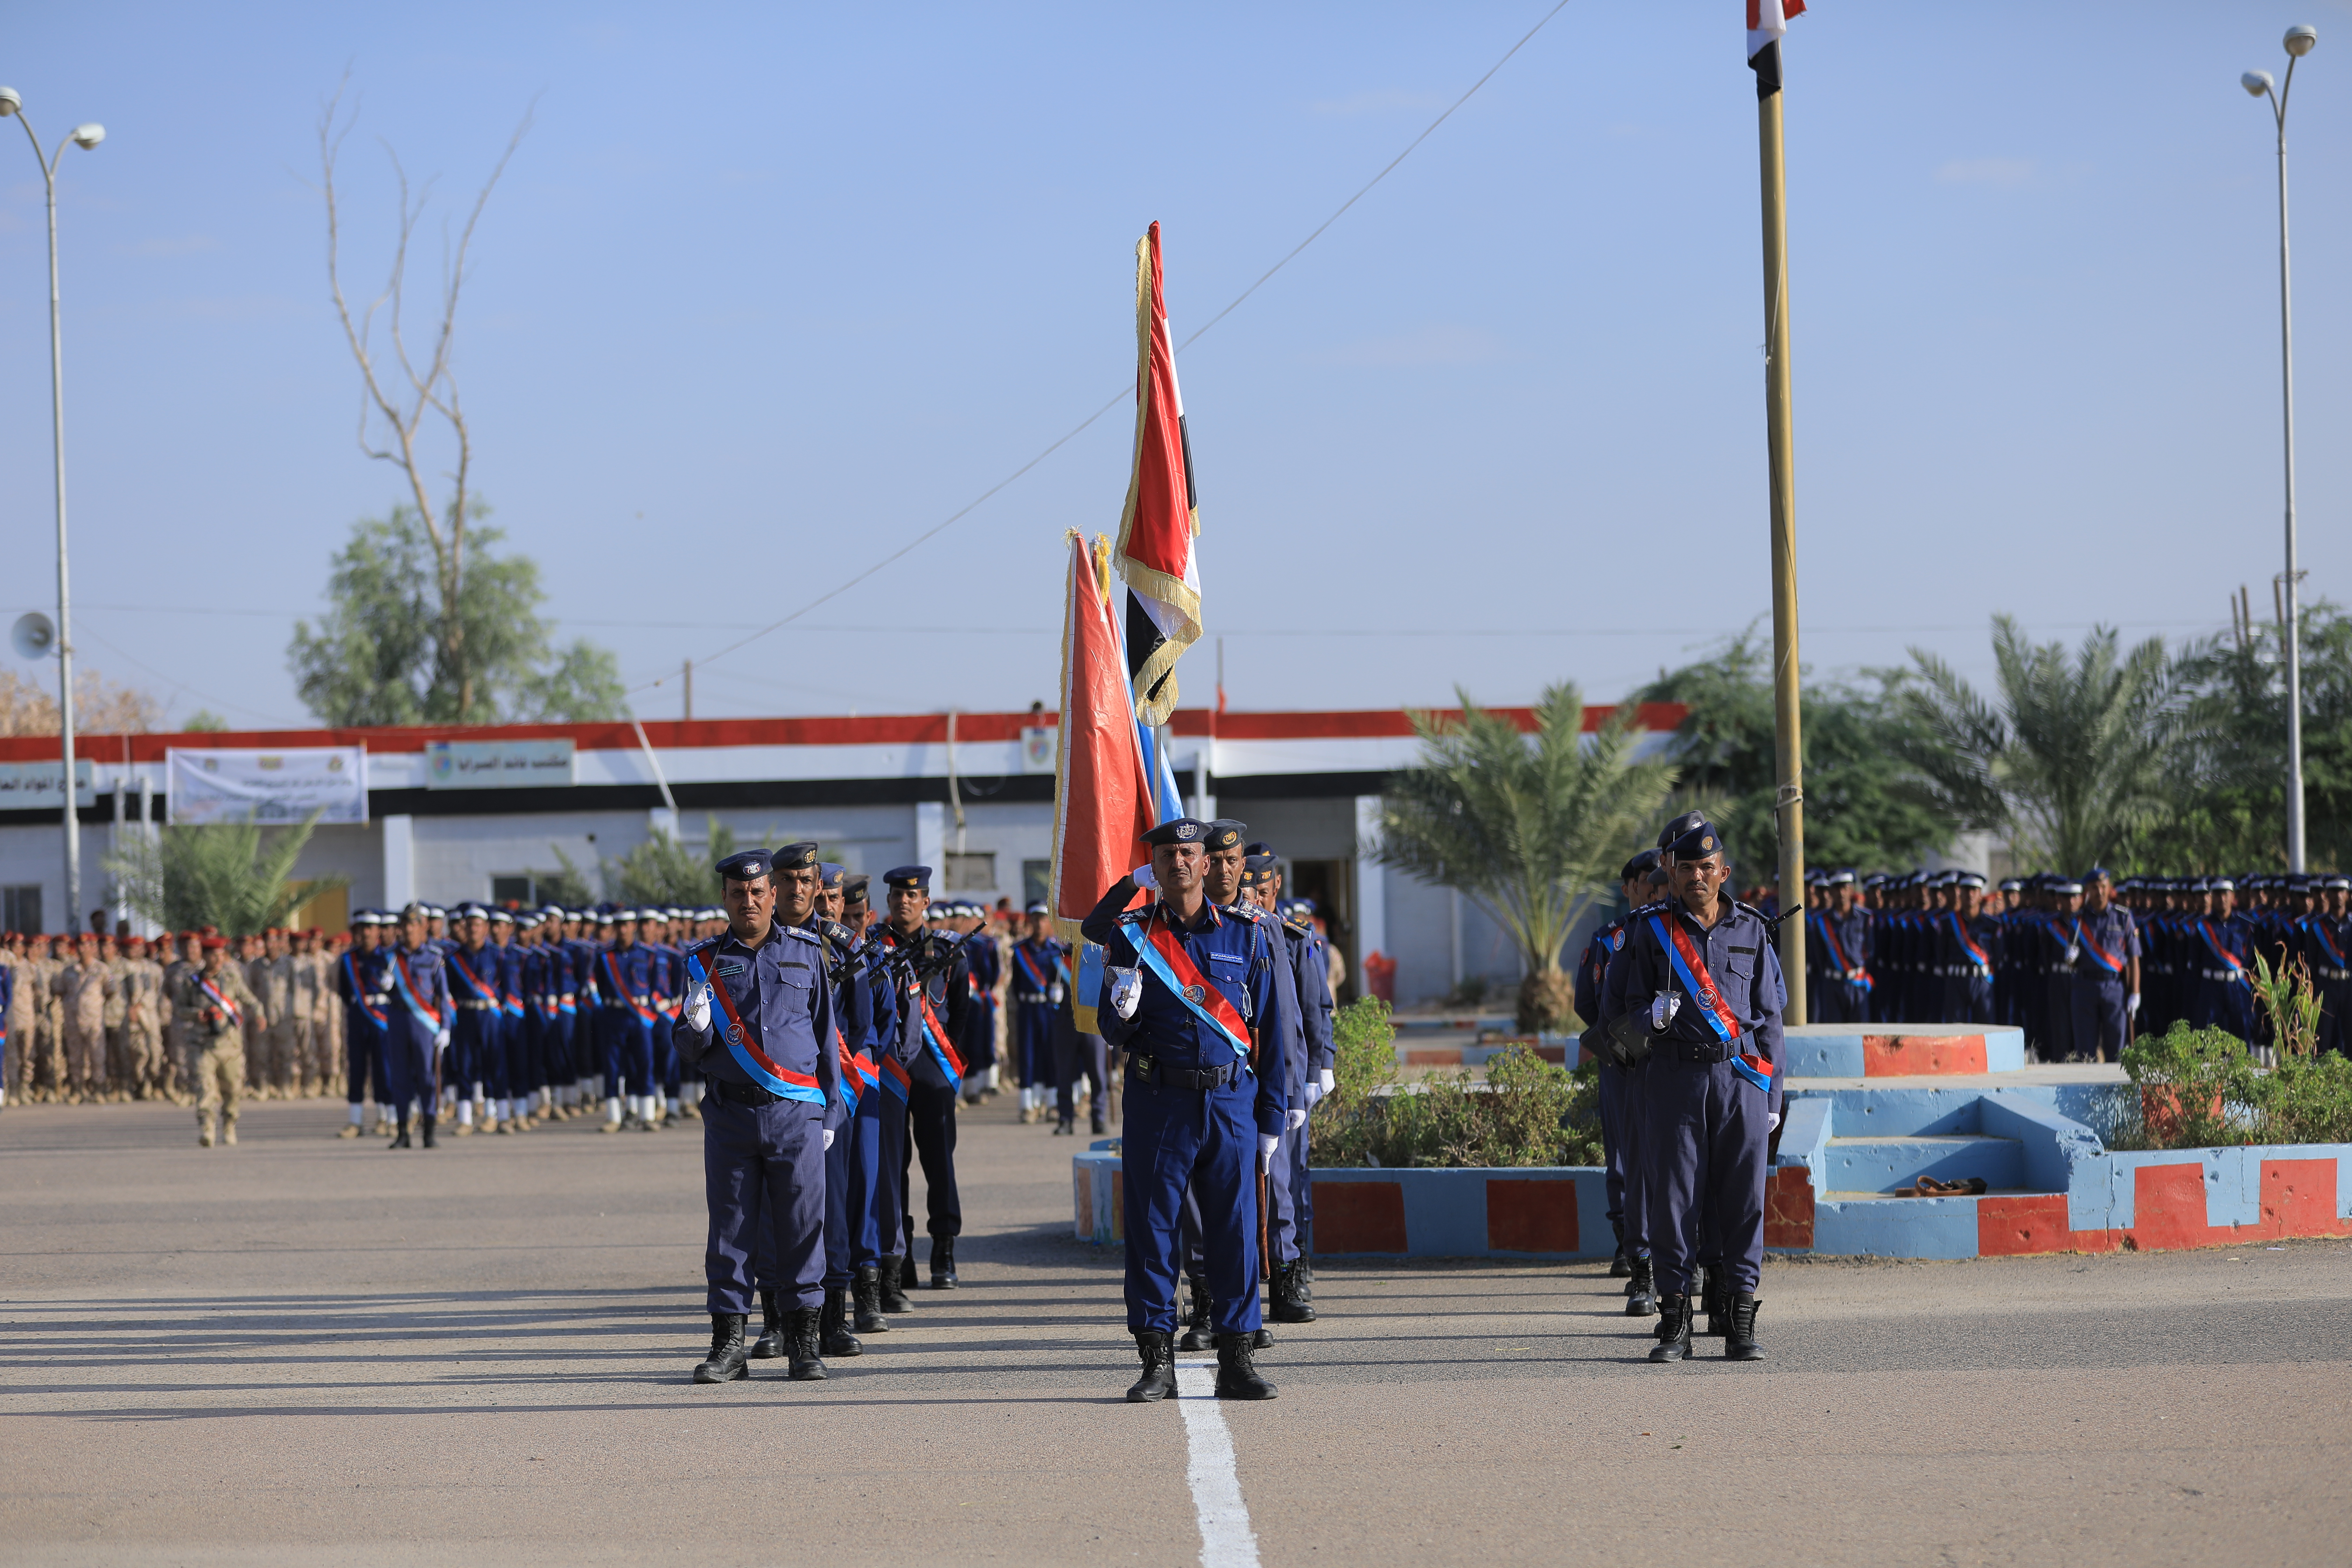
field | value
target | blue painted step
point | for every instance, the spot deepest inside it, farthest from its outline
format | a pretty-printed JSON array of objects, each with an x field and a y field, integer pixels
[{"x": 1882, "y": 1164}]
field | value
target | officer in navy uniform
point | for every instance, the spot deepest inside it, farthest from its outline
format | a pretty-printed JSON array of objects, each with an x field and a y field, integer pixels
[
  {"x": 759, "y": 1023},
  {"x": 367, "y": 1018},
  {"x": 2103, "y": 948},
  {"x": 875, "y": 1138},
  {"x": 1968, "y": 954},
  {"x": 418, "y": 1021},
  {"x": 1291, "y": 1298},
  {"x": 1620, "y": 1104},
  {"x": 2327, "y": 935},
  {"x": 1842, "y": 930},
  {"x": 1697, "y": 994},
  {"x": 930, "y": 1020},
  {"x": 853, "y": 1037},
  {"x": 1039, "y": 981},
  {"x": 1191, "y": 997}
]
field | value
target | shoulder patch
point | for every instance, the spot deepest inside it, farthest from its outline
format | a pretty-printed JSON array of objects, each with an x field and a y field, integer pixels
[{"x": 1617, "y": 941}]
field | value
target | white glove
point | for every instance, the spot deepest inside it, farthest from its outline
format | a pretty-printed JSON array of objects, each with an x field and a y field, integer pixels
[
  {"x": 1327, "y": 1081},
  {"x": 2131, "y": 1005},
  {"x": 1126, "y": 989},
  {"x": 1295, "y": 1120},
  {"x": 1771, "y": 1123},
  {"x": 1313, "y": 1093},
  {"x": 1267, "y": 1143},
  {"x": 828, "y": 1132},
  {"x": 1053, "y": 993},
  {"x": 1143, "y": 877},
  {"x": 1663, "y": 1008},
  {"x": 697, "y": 1012},
  {"x": 2073, "y": 953},
  {"x": 441, "y": 1041}
]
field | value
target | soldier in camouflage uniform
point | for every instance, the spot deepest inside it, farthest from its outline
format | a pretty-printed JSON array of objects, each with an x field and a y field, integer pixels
[
  {"x": 217, "y": 1010},
  {"x": 83, "y": 987}
]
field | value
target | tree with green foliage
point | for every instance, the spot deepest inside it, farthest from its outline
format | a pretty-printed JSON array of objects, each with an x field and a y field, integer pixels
[
  {"x": 1861, "y": 809},
  {"x": 663, "y": 871},
  {"x": 2073, "y": 760},
  {"x": 1528, "y": 827},
  {"x": 382, "y": 652},
  {"x": 229, "y": 875},
  {"x": 2229, "y": 761}
]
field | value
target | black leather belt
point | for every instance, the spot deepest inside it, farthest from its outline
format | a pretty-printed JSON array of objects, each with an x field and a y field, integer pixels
[
  {"x": 478, "y": 1007},
  {"x": 1705, "y": 1053},
  {"x": 750, "y": 1097},
  {"x": 1160, "y": 1076}
]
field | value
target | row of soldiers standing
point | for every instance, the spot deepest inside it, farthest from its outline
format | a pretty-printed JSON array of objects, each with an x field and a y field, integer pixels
[
  {"x": 96, "y": 1019},
  {"x": 2080, "y": 965}
]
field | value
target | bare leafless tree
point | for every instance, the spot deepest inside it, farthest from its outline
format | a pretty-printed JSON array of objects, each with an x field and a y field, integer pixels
[{"x": 394, "y": 409}]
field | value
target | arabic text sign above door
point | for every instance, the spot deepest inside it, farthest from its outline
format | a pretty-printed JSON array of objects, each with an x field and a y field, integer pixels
[
  {"x": 267, "y": 786},
  {"x": 496, "y": 765},
  {"x": 34, "y": 786}
]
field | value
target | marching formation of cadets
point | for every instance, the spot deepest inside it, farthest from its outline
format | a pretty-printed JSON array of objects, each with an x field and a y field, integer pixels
[{"x": 2083, "y": 966}]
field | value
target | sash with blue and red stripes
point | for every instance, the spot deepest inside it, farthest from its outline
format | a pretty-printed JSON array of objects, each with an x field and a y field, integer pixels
[
  {"x": 1165, "y": 956},
  {"x": 406, "y": 983},
  {"x": 2318, "y": 926},
  {"x": 2228, "y": 960},
  {"x": 745, "y": 1047},
  {"x": 935, "y": 1034},
  {"x": 359, "y": 995},
  {"x": 2099, "y": 953},
  {"x": 621, "y": 990},
  {"x": 1837, "y": 951},
  {"x": 481, "y": 993},
  {"x": 1689, "y": 964},
  {"x": 1029, "y": 967},
  {"x": 1978, "y": 955}
]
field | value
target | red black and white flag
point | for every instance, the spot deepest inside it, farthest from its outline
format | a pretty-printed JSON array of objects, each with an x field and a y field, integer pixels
[
  {"x": 1103, "y": 791},
  {"x": 1767, "y": 20},
  {"x": 1162, "y": 518}
]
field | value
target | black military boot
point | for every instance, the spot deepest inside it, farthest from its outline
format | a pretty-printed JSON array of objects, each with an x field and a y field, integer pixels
[
  {"x": 865, "y": 1292},
  {"x": 799, "y": 1344},
  {"x": 771, "y": 1343},
  {"x": 834, "y": 1337},
  {"x": 1291, "y": 1302},
  {"x": 1715, "y": 1297},
  {"x": 894, "y": 1287},
  {"x": 429, "y": 1132},
  {"x": 1739, "y": 1330},
  {"x": 1236, "y": 1378},
  {"x": 1620, "y": 1267},
  {"x": 1096, "y": 1125},
  {"x": 1159, "y": 1379},
  {"x": 1674, "y": 1329},
  {"x": 1641, "y": 1290},
  {"x": 906, "y": 1263},
  {"x": 726, "y": 1362},
  {"x": 1196, "y": 1318},
  {"x": 402, "y": 1142},
  {"x": 943, "y": 1274}
]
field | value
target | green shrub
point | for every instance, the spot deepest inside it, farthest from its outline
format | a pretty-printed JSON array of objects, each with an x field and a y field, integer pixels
[
  {"x": 2200, "y": 1088},
  {"x": 1530, "y": 1112}
]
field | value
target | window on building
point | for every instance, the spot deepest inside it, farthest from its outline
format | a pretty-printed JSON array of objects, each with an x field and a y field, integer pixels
[
  {"x": 514, "y": 892},
  {"x": 20, "y": 908},
  {"x": 1036, "y": 882},
  {"x": 975, "y": 873}
]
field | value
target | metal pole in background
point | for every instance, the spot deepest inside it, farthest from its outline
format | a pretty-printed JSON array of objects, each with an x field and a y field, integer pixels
[
  {"x": 1788, "y": 751},
  {"x": 2298, "y": 42},
  {"x": 85, "y": 136}
]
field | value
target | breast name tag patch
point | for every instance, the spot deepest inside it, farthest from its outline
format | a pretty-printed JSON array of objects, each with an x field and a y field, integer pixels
[{"x": 732, "y": 966}]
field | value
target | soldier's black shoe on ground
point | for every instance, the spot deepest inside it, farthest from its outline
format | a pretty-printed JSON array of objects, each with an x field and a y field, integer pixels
[
  {"x": 894, "y": 1285},
  {"x": 1714, "y": 1299},
  {"x": 1293, "y": 1301},
  {"x": 429, "y": 1132},
  {"x": 1259, "y": 1338},
  {"x": 726, "y": 1362},
  {"x": 833, "y": 1335},
  {"x": 1739, "y": 1332},
  {"x": 1641, "y": 1299},
  {"x": 1236, "y": 1378},
  {"x": 402, "y": 1142},
  {"x": 865, "y": 1292},
  {"x": 1159, "y": 1379},
  {"x": 1674, "y": 1329},
  {"x": 943, "y": 1274},
  {"x": 1095, "y": 1125},
  {"x": 800, "y": 1343},
  {"x": 907, "y": 1261},
  {"x": 1196, "y": 1315},
  {"x": 771, "y": 1343},
  {"x": 1621, "y": 1267}
]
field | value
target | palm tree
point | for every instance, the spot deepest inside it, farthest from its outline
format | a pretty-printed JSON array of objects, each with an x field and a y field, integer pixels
[
  {"x": 2072, "y": 761},
  {"x": 1528, "y": 827},
  {"x": 219, "y": 874}
]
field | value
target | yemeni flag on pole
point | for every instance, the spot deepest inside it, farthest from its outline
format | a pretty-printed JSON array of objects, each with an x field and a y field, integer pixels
[
  {"x": 1162, "y": 518},
  {"x": 1102, "y": 794},
  {"x": 1767, "y": 20}
]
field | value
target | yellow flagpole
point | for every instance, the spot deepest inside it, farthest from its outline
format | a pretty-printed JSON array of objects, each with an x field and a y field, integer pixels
[{"x": 1788, "y": 753}]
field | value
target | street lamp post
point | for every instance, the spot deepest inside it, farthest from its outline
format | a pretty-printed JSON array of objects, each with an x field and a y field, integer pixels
[
  {"x": 84, "y": 136},
  {"x": 2298, "y": 42}
]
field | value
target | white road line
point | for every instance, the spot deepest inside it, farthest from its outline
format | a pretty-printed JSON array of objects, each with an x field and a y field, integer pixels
[{"x": 1226, "y": 1539}]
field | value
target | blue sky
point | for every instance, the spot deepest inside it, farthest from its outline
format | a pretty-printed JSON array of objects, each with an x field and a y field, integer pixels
[{"x": 769, "y": 291}]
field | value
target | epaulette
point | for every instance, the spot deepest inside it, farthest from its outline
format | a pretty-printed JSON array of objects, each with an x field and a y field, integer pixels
[
  {"x": 707, "y": 943},
  {"x": 802, "y": 932}
]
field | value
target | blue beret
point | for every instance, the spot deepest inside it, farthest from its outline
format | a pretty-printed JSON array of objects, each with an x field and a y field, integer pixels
[
  {"x": 745, "y": 866},
  {"x": 854, "y": 885},
  {"x": 1260, "y": 847},
  {"x": 1689, "y": 837},
  {"x": 2098, "y": 874},
  {"x": 1180, "y": 830},
  {"x": 909, "y": 879},
  {"x": 828, "y": 875},
  {"x": 1641, "y": 864},
  {"x": 800, "y": 857},
  {"x": 1224, "y": 834}
]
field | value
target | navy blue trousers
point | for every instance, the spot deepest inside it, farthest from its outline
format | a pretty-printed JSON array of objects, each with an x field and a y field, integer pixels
[
  {"x": 1033, "y": 1042},
  {"x": 629, "y": 1042},
  {"x": 1702, "y": 1159},
  {"x": 1295, "y": 1154},
  {"x": 413, "y": 1064},
  {"x": 764, "y": 1172},
  {"x": 931, "y": 1137},
  {"x": 1837, "y": 1001},
  {"x": 521, "y": 1039},
  {"x": 363, "y": 1064},
  {"x": 1968, "y": 999},
  {"x": 2099, "y": 1018},
  {"x": 1620, "y": 1136},
  {"x": 837, "y": 1185},
  {"x": 875, "y": 1138},
  {"x": 1206, "y": 1140}
]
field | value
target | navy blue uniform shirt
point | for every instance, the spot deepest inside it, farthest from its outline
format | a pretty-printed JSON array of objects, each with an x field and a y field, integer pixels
[
  {"x": 1738, "y": 951},
  {"x": 780, "y": 994}
]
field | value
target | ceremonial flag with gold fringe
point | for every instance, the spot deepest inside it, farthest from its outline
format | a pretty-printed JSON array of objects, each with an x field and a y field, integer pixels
[
  {"x": 1162, "y": 517},
  {"x": 1103, "y": 790}
]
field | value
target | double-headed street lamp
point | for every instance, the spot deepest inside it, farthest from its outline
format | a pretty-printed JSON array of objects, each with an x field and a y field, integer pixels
[
  {"x": 2299, "y": 42},
  {"x": 84, "y": 136}
]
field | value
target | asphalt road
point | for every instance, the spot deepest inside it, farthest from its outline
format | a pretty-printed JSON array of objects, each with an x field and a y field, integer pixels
[{"x": 314, "y": 1352}]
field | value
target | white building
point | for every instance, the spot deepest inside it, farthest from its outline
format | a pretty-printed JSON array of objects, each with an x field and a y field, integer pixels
[{"x": 970, "y": 795}]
